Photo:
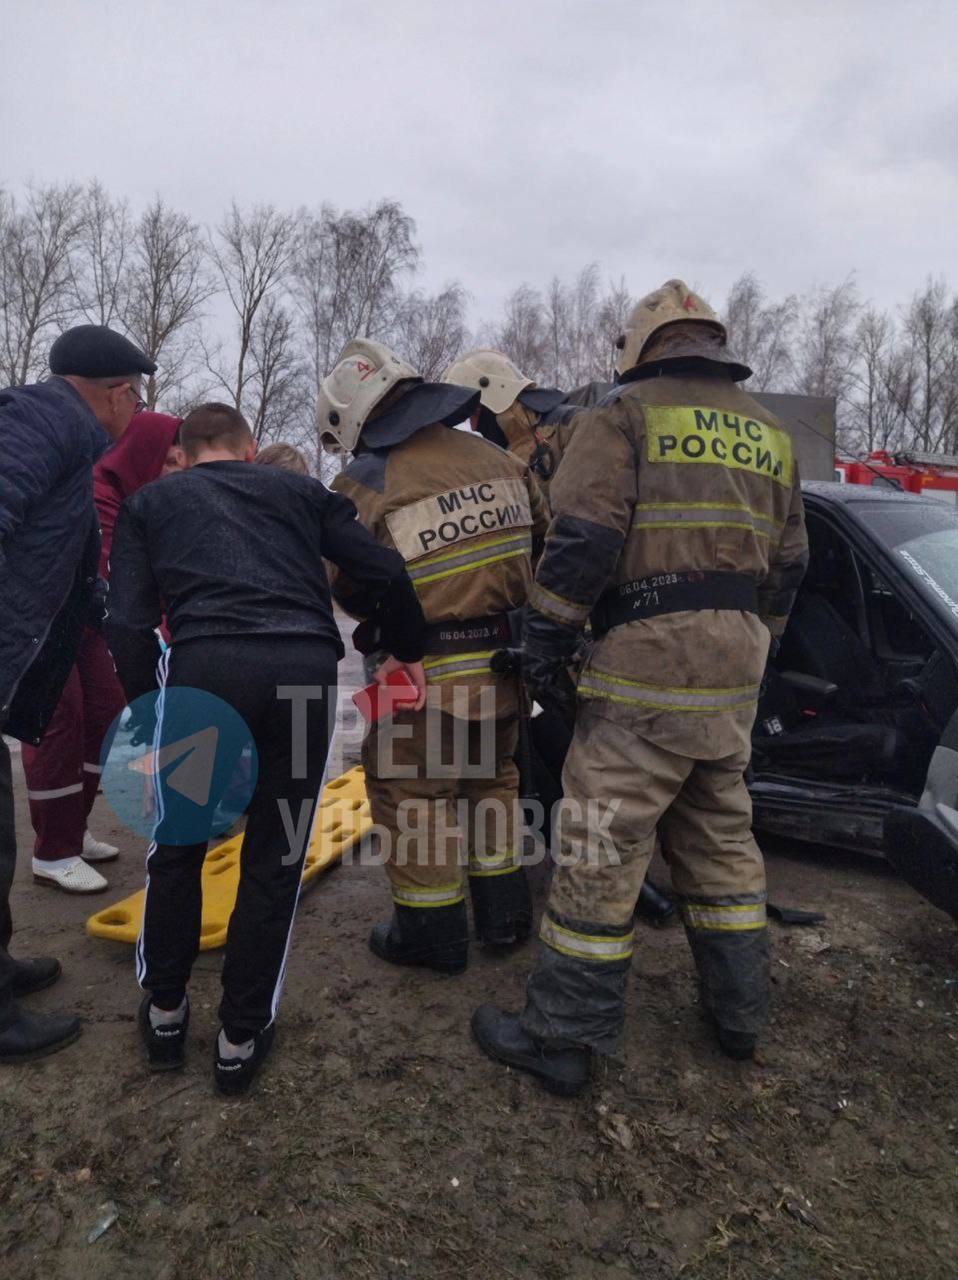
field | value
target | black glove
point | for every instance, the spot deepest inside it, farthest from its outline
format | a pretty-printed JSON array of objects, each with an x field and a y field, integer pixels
[
  {"x": 549, "y": 681},
  {"x": 548, "y": 651}
]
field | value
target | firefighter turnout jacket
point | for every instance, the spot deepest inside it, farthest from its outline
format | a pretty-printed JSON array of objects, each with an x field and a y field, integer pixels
[
  {"x": 464, "y": 515},
  {"x": 678, "y": 525},
  {"x": 679, "y": 531}
]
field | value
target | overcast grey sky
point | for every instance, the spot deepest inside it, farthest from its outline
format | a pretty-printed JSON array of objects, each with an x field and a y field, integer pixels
[{"x": 801, "y": 140}]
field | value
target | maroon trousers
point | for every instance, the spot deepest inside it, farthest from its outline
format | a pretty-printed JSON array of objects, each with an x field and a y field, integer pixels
[{"x": 63, "y": 773}]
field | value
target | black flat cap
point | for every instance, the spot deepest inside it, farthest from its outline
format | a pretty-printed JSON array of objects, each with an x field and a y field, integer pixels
[{"x": 94, "y": 351}]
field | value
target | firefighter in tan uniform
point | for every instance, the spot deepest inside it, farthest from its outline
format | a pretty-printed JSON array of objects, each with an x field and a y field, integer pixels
[
  {"x": 463, "y": 514},
  {"x": 679, "y": 530},
  {"x": 532, "y": 422}
]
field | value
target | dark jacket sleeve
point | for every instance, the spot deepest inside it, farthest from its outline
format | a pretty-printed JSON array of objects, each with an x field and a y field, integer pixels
[
  {"x": 381, "y": 589},
  {"x": 593, "y": 499},
  {"x": 133, "y": 609},
  {"x": 32, "y": 460}
]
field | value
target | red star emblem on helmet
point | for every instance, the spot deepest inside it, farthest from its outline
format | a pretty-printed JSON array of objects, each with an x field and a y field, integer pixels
[{"x": 688, "y": 304}]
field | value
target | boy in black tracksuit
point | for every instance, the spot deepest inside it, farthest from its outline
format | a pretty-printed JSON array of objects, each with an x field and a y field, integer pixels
[{"x": 234, "y": 556}]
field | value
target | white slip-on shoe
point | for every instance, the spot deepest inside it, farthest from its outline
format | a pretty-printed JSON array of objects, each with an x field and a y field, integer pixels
[
  {"x": 98, "y": 850},
  {"x": 71, "y": 874}
]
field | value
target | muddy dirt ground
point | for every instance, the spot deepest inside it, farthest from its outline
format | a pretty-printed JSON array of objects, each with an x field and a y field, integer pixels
[{"x": 380, "y": 1143}]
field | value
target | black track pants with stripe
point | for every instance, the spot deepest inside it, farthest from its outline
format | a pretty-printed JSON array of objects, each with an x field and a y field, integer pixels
[{"x": 292, "y": 734}]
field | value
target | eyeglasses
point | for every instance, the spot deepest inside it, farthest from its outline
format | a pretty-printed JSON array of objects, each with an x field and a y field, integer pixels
[{"x": 139, "y": 403}]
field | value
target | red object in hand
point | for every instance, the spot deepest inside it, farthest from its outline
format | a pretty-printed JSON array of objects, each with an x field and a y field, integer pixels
[{"x": 378, "y": 700}]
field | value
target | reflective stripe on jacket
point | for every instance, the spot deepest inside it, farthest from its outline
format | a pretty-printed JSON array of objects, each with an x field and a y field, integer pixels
[
  {"x": 675, "y": 473},
  {"x": 463, "y": 514}
]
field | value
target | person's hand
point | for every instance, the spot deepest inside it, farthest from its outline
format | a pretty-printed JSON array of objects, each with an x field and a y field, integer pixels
[
  {"x": 548, "y": 680},
  {"x": 415, "y": 672}
]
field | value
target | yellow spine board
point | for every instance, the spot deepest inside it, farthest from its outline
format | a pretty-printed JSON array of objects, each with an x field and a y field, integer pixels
[{"x": 341, "y": 821}]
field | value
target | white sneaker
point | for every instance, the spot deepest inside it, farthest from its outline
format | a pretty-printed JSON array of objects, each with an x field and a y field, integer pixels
[
  {"x": 71, "y": 874},
  {"x": 98, "y": 850}
]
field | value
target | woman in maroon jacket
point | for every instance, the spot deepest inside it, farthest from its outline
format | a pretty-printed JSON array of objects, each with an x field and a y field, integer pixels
[{"x": 63, "y": 773}]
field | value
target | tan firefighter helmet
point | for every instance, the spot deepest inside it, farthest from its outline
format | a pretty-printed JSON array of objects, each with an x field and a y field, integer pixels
[
  {"x": 363, "y": 376},
  {"x": 673, "y": 303},
  {"x": 492, "y": 374},
  {"x": 375, "y": 394}
]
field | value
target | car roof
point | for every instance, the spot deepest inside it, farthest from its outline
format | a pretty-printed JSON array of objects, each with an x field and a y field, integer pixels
[{"x": 847, "y": 494}]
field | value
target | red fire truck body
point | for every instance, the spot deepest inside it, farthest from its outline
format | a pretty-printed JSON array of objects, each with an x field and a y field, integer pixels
[{"x": 933, "y": 474}]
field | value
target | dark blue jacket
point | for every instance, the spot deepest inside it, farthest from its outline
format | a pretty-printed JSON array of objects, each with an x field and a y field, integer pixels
[{"x": 49, "y": 545}]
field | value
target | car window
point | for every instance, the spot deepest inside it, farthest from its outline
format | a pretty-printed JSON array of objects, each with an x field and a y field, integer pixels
[
  {"x": 895, "y": 631},
  {"x": 924, "y": 538}
]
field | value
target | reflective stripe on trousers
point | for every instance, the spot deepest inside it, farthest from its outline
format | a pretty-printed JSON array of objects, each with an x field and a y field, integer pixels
[
  {"x": 594, "y": 946},
  {"x": 56, "y": 793},
  {"x": 724, "y": 915},
  {"x": 493, "y": 864},
  {"x": 441, "y": 895},
  {"x": 600, "y": 684}
]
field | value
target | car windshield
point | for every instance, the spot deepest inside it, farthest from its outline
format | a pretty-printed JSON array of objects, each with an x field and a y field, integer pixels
[{"x": 924, "y": 537}]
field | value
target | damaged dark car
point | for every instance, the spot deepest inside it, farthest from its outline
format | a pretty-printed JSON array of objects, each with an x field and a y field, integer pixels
[{"x": 856, "y": 738}]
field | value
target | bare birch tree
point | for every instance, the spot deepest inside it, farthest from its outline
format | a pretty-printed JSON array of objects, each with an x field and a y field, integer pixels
[
  {"x": 611, "y": 316},
  {"x": 101, "y": 260},
  {"x": 279, "y": 403},
  {"x": 347, "y": 273},
  {"x": 165, "y": 289},
  {"x": 825, "y": 347},
  {"x": 521, "y": 334},
  {"x": 252, "y": 251},
  {"x": 761, "y": 333},
  {"x": 430, "y": 329},
  {"x": 37, "y": 299},
  {"x": 567, "y": 338},
  {"x": 931, "y": 335},
  {"x": 882, "y": 387}
]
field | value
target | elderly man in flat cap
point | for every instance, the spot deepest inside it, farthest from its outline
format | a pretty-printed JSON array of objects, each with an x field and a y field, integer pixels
[{"x": 51, "y": 434}]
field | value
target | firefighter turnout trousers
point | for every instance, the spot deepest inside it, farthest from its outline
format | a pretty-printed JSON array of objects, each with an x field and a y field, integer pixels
[
  {"x": 619, "y": 789},
  {"x": 444, "y": 792}
]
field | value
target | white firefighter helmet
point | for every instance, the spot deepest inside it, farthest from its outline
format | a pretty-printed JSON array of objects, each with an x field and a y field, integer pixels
[
  {"x": 492, "y": 374},
  {"x": 363, "y": 376},
  {"x": 674, "y": 302}
]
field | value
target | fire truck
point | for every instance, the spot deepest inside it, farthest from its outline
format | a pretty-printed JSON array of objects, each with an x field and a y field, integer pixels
[{"x": 935, "y": 475}]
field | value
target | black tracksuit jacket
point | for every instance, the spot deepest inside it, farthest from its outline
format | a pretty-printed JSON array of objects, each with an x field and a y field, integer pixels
[{"x": 232, "y": 549}]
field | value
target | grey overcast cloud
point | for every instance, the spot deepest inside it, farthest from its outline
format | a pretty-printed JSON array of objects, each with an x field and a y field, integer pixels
[{"x": 802, "y": 141}]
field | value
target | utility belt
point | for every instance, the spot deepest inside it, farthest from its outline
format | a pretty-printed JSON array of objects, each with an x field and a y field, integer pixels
[
  {"x": 655, "y": 594},
  {"x": 493, "y": 631}
]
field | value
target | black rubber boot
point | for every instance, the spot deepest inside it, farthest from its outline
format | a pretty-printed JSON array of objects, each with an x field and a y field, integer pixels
[
  {"x": 34, "y": 975},
  {"x": 26, "y": 1036},
  {"x": 235, "y": 1075},
  {"x": 565, "y": 1070},
  {"x": 501, "y": 908},
  {"x": 165, "y": 1045},
  {"x": 432, "y": 937},
  {"x": 733, "y": 972},
  {"x": 736, "y": 1044}
]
